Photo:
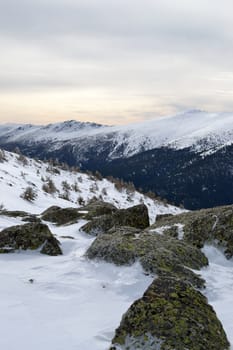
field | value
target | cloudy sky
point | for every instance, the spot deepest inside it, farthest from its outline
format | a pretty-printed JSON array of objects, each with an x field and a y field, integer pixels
[{"x": 114, "y": 61}]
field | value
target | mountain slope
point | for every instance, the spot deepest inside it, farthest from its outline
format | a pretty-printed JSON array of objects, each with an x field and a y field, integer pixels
[{"x": 18, "y": 172}]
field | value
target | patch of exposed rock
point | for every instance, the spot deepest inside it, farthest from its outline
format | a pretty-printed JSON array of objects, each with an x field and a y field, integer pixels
[
  {"x": 29, "y": 236},
  {"x": 97, "y": 208},
  {"x": 63, "y": 216},
  {"x": 214, "y": 226},
  {"x": 136, "y": 216},
  {"x": 170, "y": 315},
  {"x": 157, "y": 254}
]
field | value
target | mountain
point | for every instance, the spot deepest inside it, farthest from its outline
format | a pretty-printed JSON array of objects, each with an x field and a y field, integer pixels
[
  {"x": 186, "y": 158},
  {"x": 78, "y": 293}
]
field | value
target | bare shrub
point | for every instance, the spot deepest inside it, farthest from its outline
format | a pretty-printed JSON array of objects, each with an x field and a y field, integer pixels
[
  {"x": 29, "y": 194},
  {"x": 49, "y": 187}
]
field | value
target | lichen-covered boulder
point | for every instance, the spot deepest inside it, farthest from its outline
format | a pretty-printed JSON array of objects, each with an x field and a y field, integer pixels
[
  {"x": 157, "y": 254},
  {"x": 136, "y": 216},
  {"x": 97, "y": 208},
  {"x": 29, "y": 236},
  {"x": 61, "y": 216},
  {"x": 14, "y": 213},
  {"x": 203, "y": 226},
  {"x": 170, "y": 315}
]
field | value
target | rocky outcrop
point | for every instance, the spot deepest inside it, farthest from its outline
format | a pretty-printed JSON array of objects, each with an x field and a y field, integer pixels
[
  {"x": 97, "y": 208},
  {"x": 213, "y": 226},
  {"x": 14, "y": 213},
  {"x": 158, "y": 254},
  {"x": 20, "y": 214},
  {"x": 61, "y": 216},
  {"x": 29, "y": 236},
  {"x": 170, "y": 315},
  {"x": 136, "y": 216}
]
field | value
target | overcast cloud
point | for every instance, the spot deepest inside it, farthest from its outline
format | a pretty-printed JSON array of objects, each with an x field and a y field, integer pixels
[{"x": 114, "y": 61}]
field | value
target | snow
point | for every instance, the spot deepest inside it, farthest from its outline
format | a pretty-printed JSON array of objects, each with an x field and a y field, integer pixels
[
  {"x": 202, "y": 131},
  {"x": 72, "y": 302},
  {"x": 219, "y": 287}
]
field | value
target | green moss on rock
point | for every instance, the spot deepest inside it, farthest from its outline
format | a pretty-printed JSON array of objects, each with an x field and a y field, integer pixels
[
  {"x": 136, "y": 216},
  {"x": 61, "y": 216},
  {"x": 29, "y": 236},
  {"x": 204, "y": 226},
  {"x": 157, "y": 254},
  {"x": 175, "y": 315}
]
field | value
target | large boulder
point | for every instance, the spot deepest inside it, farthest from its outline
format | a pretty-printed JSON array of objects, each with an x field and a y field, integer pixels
[
  {"x": 202, "y": 226},
  {"x": 61, "y": 216},
  {"x": 158, "y": 254},
  {"x": 29, "y": 236},
  {"x": 14, "y": 213},
  {"x": 136, "y": 216},
  {"x": 170, "y": 315},
  {"x": 97, "y": 208}
]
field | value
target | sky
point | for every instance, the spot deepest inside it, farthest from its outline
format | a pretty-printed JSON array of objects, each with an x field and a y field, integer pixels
[{"x": 114, "y": 61}]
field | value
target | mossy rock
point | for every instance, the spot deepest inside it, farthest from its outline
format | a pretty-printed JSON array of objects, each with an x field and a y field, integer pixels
[
  {"x": 31, "y": 218},
  {"x": 61, "y": 216},
  {"x": 98, "y": 208},
  {"x": 14, "y": 213},
  {"x": 29, "y": 236},
  {"x": 157, "y": 254},
  {"x": 213, "y": 226},
  {"x": 170, "y": 315},
  {"x": 136, "y": 216}
]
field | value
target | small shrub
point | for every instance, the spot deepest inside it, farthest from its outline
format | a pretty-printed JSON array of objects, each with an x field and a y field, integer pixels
[
  {"x": 75, "y": 187},
  {"x": 29, "y": 194},
  {"x": 104, "y": 192},
  {"x": 49, "y": 187},
  {"x": 65, "y": 186},
  {"x": 22, "y": 159},
  {"x": 2, "y": 156},
  {"x": 80, "y": 179},
  {"x": 80, "y": 200},
  {"x": 65, "y": 195}
]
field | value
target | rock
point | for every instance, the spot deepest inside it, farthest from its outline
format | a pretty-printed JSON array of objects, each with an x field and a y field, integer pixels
[
  {"x": 136, "y": 216},
  {"x": 162, "y": 216},
  {"x": 29, "y": 236},
  {"x": 213, "y": 226},
  {"x": 97, "y": 208},
  {"x": 31, "y": 218},
  {"x": 170, "y": 315},
  {"x": 14, "y": 213},
  {"x": 158, "y": 254},
  {"x": 61, "y": 216}
]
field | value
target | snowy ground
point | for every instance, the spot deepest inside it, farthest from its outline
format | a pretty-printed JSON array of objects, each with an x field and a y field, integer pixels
[
  {"x": 219, "y": 291},
  {"x": 73, "y": 303}
]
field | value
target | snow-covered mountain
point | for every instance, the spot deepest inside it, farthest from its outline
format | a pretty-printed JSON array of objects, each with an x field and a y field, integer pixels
[
  {"x": 196, "y": 129},
  {"x": 186, "y": 158}
]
